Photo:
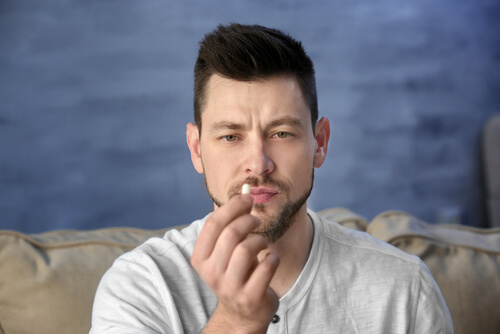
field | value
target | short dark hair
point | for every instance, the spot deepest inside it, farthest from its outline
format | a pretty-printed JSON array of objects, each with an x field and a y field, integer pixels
[{"x": 252, "y": 52}]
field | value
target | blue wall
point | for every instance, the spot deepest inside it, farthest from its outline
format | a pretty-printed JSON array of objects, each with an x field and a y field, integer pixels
[{"x": 95, "y": 95}]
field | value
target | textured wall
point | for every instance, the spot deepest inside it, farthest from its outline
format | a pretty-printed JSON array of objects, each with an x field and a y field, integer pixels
[{"x": 95, "y": 95}]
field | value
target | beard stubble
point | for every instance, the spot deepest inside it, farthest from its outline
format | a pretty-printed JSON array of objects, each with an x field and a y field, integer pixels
[{"x": 273, "y": 226}]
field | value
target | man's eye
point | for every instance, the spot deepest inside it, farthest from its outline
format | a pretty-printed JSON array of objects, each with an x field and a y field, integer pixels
[
  {"x": 282, "y": 134},
  {"x": 229, "y": 138}
]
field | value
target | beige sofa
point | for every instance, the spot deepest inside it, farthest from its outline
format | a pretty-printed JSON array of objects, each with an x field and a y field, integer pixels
[{"x": 48, "y": 280}]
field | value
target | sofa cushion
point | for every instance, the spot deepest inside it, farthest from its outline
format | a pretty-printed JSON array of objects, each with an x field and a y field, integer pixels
[
  {"x": 464, "y": 261},
  {"x": 345, "y": 217},
  {"x": 48, "y": 280}
]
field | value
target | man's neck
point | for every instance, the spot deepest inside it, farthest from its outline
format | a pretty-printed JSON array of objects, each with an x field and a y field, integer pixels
[{"x": 293, "y": 249}]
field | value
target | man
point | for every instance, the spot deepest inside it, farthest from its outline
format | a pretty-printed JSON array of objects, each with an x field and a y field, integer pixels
[{"x": 263, "y": 262}]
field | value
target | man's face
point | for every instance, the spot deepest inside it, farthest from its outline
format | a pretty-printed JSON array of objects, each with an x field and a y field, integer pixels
[{"x": 259, "y": 133}]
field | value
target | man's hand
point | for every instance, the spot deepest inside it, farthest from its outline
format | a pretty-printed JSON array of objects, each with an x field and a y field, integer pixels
[{"x": 225, "y": 256}]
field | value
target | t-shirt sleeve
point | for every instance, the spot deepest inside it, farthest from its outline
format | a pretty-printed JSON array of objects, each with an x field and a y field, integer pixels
[
  {"x": 432, "y": 315},
  {"x": 128, "y": 300},
  {"x": 154, "y": 289}
]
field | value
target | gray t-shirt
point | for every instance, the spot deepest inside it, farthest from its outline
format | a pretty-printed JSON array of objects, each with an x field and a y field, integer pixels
[{"x": 351, "y": 283}]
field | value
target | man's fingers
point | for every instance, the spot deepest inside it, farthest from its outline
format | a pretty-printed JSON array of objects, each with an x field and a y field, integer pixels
[
  {"x": 262, "y": 275},
  {"x": 216, "y": 223},
  {"x": 230, "y": 239},
  {"x": 244, "y": 258}
]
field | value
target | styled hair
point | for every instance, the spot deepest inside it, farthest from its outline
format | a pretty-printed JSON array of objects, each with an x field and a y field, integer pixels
[{"x": 252, "y": 52}]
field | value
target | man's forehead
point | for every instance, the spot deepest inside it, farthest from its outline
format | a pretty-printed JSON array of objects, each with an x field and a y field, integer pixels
[{"x": 275, "y": 101}]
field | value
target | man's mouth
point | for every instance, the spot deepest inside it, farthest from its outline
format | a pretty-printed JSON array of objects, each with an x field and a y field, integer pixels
[{"x": 263, "y": 195}]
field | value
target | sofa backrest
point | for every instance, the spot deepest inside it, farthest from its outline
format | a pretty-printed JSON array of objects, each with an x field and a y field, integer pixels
[{"x": 48, "y": 281}]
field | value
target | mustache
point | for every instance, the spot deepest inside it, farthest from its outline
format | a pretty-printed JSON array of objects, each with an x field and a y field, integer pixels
[{"x": 255, "y": 182}]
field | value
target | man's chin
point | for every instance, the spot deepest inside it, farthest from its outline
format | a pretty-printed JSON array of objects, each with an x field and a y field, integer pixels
[
  {"x": 275, "y": 221},
  {"x": 271, "y": 232},
  {"x": 258, "y": 209}
]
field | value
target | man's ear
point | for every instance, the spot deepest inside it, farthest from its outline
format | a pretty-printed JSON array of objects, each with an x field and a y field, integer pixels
[
  {"x": 193, "y": 141},
  {"x": 322, "y": 136}
]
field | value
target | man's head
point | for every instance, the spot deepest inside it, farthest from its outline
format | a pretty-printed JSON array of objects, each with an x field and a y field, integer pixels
[
  {"x": 255, "y": 99},
  {"x": 248, "y": 53}
]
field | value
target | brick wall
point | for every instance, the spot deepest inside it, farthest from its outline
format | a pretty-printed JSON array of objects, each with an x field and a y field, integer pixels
[{"x": 94, "y": 98}]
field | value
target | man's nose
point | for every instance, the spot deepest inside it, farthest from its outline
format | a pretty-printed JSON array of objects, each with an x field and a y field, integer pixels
[{"x": 258, "y": 159}]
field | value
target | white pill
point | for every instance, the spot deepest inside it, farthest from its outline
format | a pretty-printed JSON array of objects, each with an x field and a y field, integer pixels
[{"x": 245, "y": 190}]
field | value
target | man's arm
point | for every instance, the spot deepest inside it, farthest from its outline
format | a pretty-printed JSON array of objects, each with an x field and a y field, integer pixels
[{"x": 225, "y": 256}]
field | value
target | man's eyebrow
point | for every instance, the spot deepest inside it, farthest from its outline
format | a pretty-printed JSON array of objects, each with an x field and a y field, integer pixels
[
  {"x": 231, "y": 126},
  {"x": 224, "y": 126},
  {"x": 289, "y": 121}
]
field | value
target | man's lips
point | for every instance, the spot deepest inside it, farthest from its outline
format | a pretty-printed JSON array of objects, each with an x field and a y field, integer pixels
[{"x": 262, "y": 195}]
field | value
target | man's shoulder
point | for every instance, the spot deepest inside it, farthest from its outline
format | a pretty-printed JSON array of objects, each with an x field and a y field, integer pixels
[
  {"x": 175, "y": 242},
  {"x": 156, "y": 273},
  {"x": 157, "y": 259}
]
